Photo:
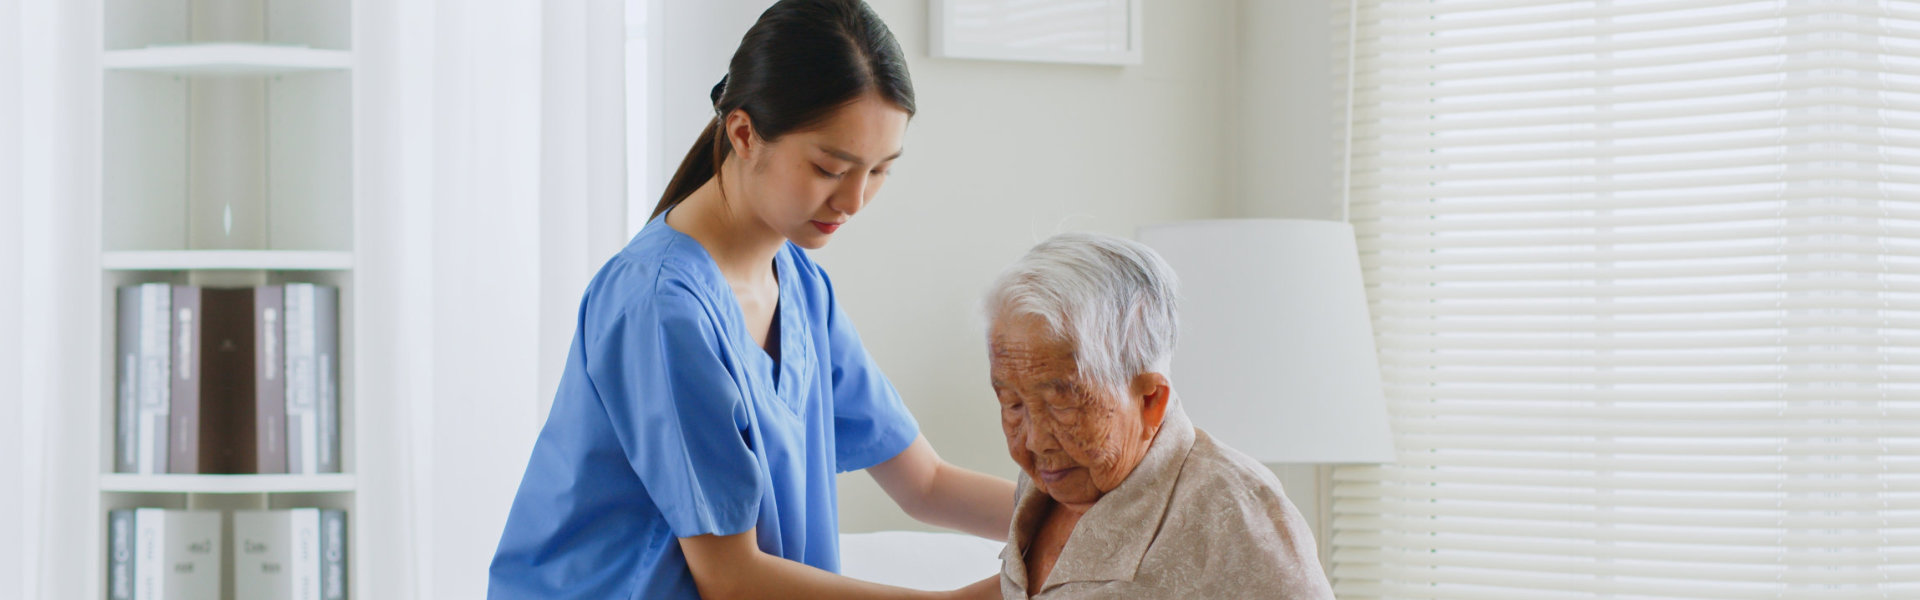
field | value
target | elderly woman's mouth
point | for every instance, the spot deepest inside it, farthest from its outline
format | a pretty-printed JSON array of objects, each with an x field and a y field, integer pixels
[{"x": 1052, "y": 475}]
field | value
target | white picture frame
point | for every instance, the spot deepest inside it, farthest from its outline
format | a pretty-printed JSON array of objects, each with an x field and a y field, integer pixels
[{"x": 1095, "y": 32}]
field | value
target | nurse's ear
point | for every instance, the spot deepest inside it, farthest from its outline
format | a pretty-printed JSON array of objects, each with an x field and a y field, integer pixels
[{"x": 738, "y": 128}]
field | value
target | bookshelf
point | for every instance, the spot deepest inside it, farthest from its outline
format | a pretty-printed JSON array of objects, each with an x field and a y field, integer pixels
[{"x": 226, "y": 158}]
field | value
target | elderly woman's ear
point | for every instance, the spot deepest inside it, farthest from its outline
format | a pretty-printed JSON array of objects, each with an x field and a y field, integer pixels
[{"x": 1153, "y": 391}]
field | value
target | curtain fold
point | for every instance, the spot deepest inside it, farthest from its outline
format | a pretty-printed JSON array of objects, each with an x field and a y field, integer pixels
[
  {"x": 49, "y": 240},
  {"x": 17, "y": 574}
]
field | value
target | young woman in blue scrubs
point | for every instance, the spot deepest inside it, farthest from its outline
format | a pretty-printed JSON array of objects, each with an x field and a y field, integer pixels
[{"x": 715, "y": 385}]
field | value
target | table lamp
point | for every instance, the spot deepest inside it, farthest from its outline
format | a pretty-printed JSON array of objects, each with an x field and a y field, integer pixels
[{"x": 1275, "y": 356}]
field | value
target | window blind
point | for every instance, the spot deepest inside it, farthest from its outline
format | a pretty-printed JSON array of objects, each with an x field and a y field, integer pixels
[{"x": 1645, "y": 278}]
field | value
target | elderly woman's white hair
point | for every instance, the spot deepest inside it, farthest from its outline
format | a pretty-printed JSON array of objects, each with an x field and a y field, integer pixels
[{"x": 1112, "y": 299}]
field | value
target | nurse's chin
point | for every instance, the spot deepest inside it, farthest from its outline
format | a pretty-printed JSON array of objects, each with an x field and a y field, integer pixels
[{"x": 811, "y": 240}]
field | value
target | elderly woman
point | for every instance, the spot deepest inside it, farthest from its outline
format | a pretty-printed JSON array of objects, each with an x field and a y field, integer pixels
[{"x": 1121, "y": 497}]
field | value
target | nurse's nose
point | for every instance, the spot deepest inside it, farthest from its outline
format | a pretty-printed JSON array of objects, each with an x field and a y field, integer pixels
[{"x": 851, "y": 196}]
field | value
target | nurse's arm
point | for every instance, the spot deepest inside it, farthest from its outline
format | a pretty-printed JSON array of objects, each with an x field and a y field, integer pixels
[
  {"x": 732, "y": 567},
  {"x": 935, "y": 492}
]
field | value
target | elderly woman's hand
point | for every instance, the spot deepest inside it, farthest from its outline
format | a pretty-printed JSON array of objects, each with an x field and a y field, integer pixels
[{"x": 984, "y": 589}]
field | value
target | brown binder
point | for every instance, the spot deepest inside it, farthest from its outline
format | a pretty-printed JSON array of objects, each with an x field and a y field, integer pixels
[{"x": 226, "y": 384}]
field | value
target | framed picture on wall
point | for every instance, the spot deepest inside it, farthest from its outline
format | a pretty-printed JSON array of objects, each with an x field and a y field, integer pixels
[{"x": 1097, "y": 32}]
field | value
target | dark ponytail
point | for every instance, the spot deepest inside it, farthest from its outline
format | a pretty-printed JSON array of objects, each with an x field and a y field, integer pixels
[{"x": 801, "y": 61}]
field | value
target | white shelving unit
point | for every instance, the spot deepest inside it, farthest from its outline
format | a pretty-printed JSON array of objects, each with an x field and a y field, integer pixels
[
  {"x": 226, "y": 59},
  {"x": 226, "y": 484},
  {"x": 226, "y": 159},
  {"x": 226, "y": 260}
]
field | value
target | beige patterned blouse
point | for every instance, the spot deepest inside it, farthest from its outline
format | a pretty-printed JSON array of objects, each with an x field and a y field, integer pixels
[{"x": 1194, "y": 520}]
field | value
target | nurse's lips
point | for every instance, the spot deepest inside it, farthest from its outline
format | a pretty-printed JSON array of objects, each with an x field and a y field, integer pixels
[{"x": 827, "y": 227}]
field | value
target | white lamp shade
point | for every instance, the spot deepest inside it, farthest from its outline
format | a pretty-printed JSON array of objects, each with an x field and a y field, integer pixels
[{"x": 1275, "y": 355}]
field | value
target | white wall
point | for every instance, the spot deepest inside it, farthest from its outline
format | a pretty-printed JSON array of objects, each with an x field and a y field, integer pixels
[
  {"x": 1000, "y": 156},
  {"x": 694, "y": 42},
  {"x": 1287, "y": 116}
]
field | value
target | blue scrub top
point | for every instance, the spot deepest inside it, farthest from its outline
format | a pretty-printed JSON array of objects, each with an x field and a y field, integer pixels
[{"x": 671, "y": 422}]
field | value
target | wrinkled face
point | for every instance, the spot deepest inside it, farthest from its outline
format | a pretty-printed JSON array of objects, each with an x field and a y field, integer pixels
[
  {"x": 1076, "y": 440},
  {"x": 807, "y": 184}
]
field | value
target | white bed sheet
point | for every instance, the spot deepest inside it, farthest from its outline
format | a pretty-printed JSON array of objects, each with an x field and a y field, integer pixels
[{"x": 919, "y": 560}]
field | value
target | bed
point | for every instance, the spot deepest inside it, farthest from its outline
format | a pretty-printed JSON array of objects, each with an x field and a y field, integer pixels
[{"x": 919, "y": 560}]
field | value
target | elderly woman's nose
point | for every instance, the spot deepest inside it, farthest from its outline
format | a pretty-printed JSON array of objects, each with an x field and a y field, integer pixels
[{"x": 1040, "y": 436}]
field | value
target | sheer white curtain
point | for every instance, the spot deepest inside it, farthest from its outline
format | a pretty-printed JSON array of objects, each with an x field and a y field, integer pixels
[
  {"x": 494, "y": 174},
  {"x": 1646, "y": 281},
  {"x": 48, "y": 238},
  {"x": 15, "y": 488}
]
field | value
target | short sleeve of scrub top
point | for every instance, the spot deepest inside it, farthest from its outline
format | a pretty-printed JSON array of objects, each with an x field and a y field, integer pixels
[
  {"x": 688, "y": 452},
  {"x": 671, "y": 422},
  {"x": 867, "y": 419}
]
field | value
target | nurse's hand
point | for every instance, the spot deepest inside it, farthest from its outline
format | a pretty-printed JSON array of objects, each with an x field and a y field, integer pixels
[{"x": 985, "y": 589}]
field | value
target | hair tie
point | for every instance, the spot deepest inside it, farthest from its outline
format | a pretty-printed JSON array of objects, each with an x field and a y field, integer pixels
[{"x": 719, "y": 89}]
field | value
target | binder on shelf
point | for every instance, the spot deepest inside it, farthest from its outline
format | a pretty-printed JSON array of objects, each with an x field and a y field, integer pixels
[
  {"x": 171, "y": 554},
  {"x": 144, "y": 353},
  {"x": 156, "y": 329},
  {"x": 312, "y": 393},
  {"x": 327, "y": 352},
  {"x": 297, "y": 554},
  {"x": 333, "y": 555},
  {"x": 183, "y": 433},
  {"x": 120, "y": 555},
  {"x": 126, "y": 450},
  {"x": 226, "y": 386},
  {"x": 270, "y": 382},
  {"x": 301, "y": 381}
]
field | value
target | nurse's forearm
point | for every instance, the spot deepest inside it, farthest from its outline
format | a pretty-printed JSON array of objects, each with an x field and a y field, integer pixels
[
  {"x": 938, "y": 493},
  {"x": 733, "y": 568},
  {"x": 969, "y": 501}
]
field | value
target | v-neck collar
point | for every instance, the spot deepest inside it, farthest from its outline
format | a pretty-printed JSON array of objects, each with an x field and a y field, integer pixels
[
  {"x": 782, "y": 368},
  {"x": 777, "y": 374}
]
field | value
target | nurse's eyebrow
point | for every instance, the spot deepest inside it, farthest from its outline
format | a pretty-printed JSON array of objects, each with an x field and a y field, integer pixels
[{"x": 850, "y": 157}]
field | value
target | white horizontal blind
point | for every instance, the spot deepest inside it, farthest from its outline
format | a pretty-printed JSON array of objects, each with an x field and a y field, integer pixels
[{"x": 1645, "y": 277}]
